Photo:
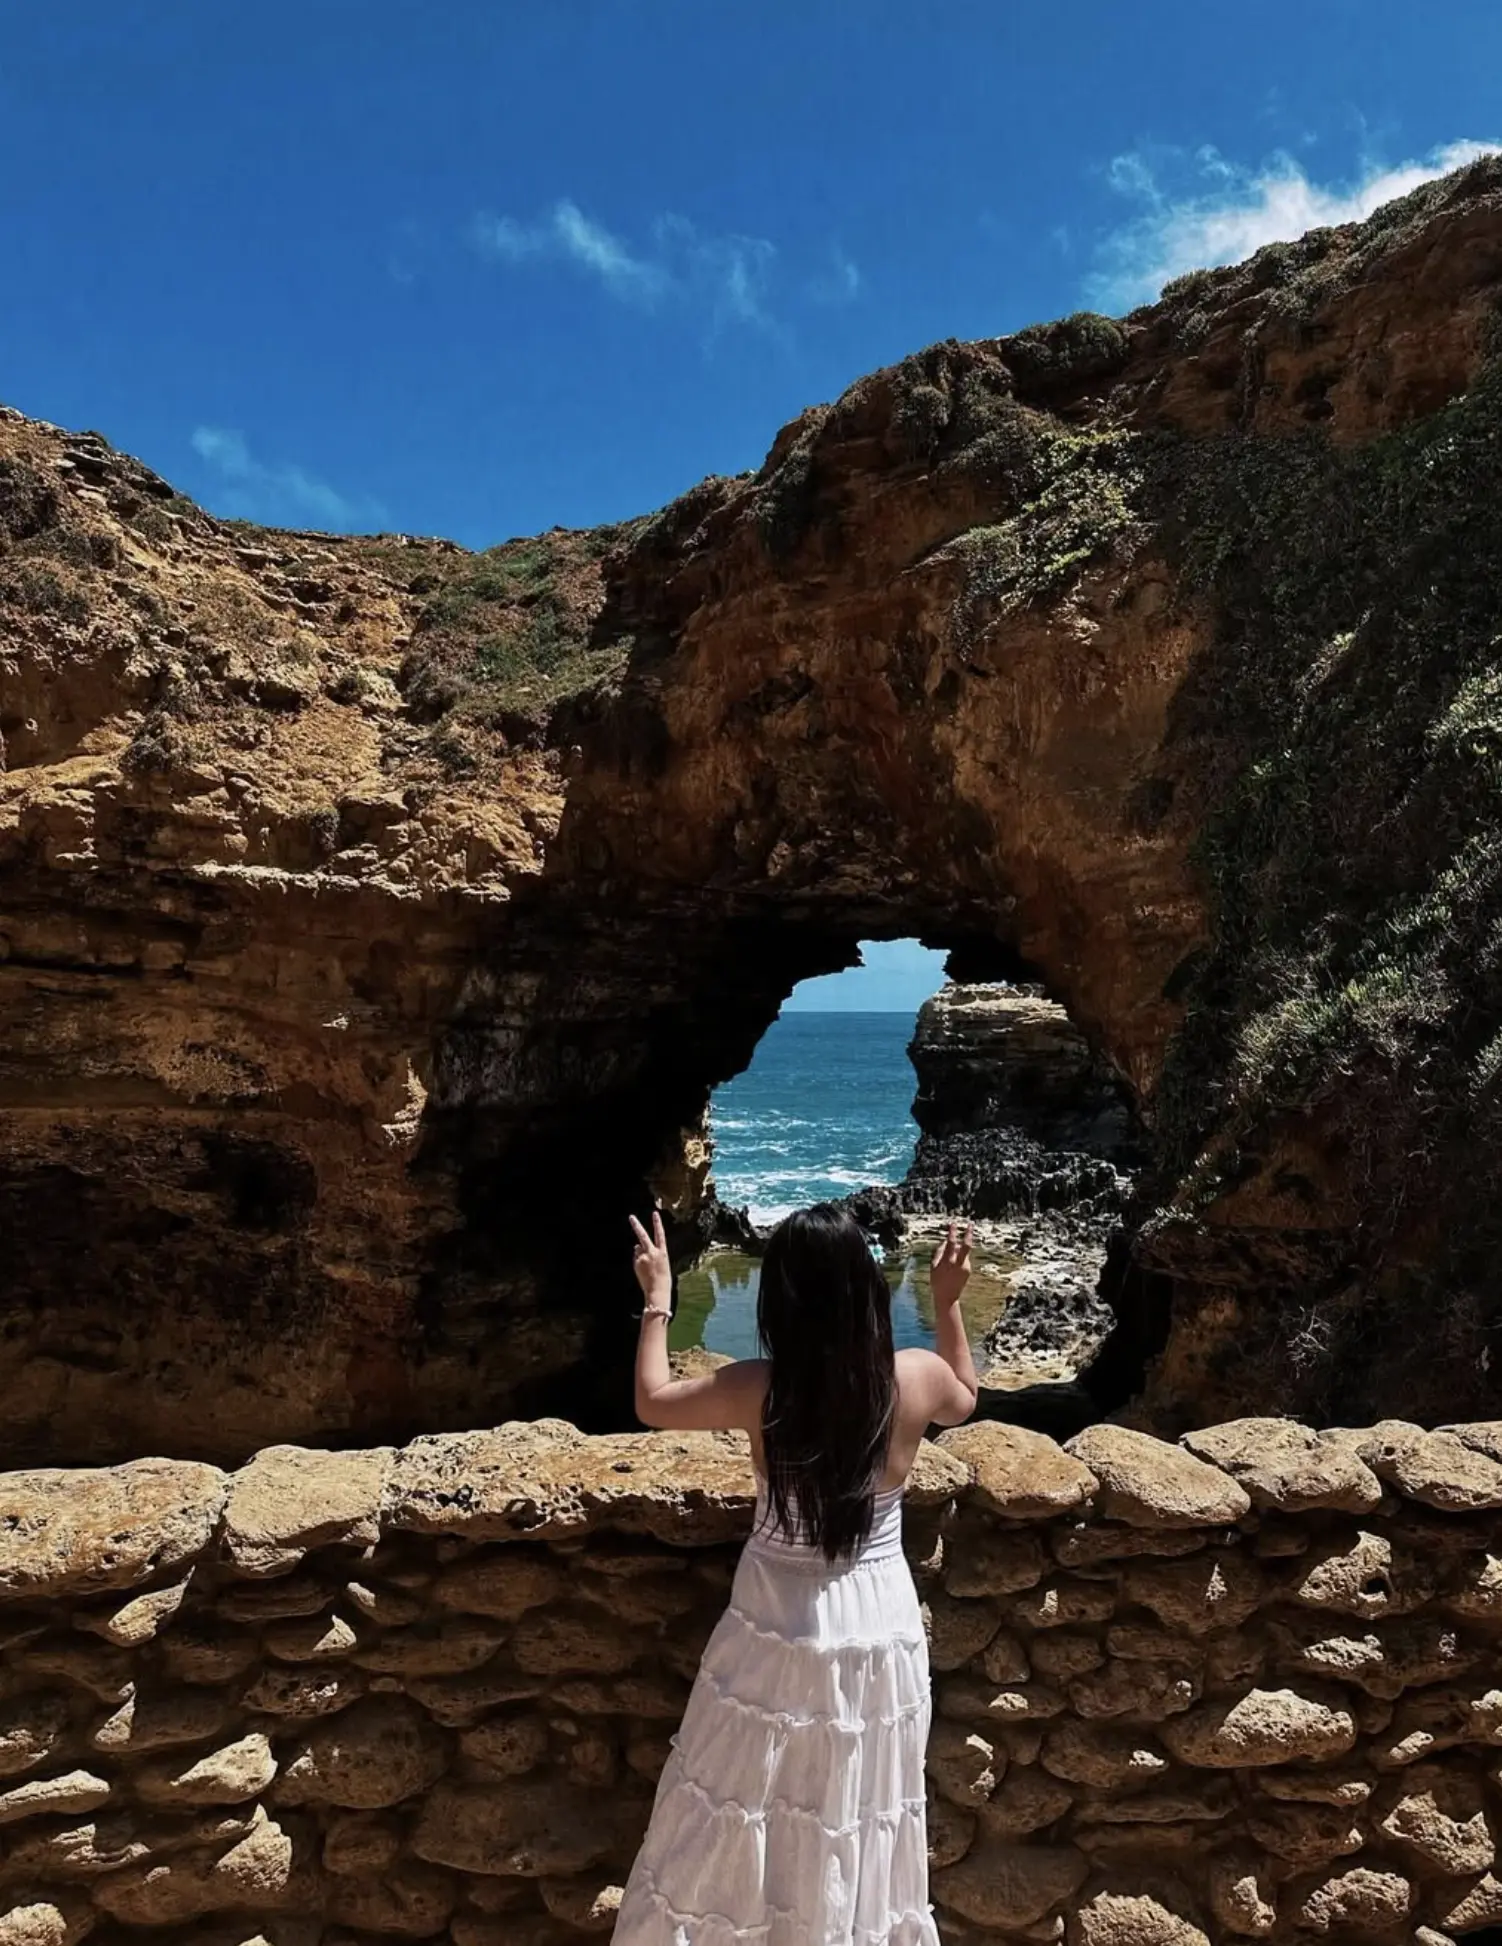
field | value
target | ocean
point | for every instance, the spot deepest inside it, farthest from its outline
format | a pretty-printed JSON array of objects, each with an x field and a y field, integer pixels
[{"x": 824, "y": 1108}]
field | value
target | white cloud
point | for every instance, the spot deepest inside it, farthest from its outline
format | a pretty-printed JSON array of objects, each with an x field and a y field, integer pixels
[
  {"x": 281, "y": 494},
  {"x": 727, "y": 277},
  {"x": 1203, "y": 210},
  {"x": 840, "y": 283}
]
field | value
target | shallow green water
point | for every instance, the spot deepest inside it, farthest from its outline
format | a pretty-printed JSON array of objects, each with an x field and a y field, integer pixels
[{"x": 717, "y": 1301}]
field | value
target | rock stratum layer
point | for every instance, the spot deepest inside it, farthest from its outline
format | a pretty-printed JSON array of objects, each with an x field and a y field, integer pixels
[
  {"x": 1241, "y": 1687},
  {"x": 375, "y": 918}
]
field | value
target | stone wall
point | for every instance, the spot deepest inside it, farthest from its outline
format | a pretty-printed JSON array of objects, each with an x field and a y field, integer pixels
[{"x": 1247, "y": 1686}]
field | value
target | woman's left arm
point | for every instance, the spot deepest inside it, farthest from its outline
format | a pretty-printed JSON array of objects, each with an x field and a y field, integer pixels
[{"x": 728, "y": 1397}]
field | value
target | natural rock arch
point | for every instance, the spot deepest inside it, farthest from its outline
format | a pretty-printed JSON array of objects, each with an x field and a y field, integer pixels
[{"x": 377, "y": 917}]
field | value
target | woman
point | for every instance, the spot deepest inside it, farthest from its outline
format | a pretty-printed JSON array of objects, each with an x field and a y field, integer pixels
[{"x": 791, "y": 1810}]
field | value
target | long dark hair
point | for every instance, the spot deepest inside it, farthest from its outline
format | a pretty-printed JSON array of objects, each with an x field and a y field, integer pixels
[{"x": 824, "y": 1317}]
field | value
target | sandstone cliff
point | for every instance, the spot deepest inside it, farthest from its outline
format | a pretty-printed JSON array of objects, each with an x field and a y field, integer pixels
[{"x": 375, "y": 917}]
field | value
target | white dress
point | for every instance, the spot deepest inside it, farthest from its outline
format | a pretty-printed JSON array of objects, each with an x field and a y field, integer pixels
[{"x": 791, "y": 1809}]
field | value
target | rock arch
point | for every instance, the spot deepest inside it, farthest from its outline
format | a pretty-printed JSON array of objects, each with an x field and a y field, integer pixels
[{"x": 348, "y": 998}]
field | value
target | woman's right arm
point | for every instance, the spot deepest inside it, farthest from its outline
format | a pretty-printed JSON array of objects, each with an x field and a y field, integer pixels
[{"x": 955, "y": 1382}]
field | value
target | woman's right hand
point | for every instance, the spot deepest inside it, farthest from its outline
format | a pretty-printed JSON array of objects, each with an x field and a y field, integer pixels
[{"x": 950, "y": 1271}]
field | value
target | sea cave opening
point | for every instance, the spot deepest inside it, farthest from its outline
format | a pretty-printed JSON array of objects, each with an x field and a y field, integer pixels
[{"x": 916, "y": 1086}]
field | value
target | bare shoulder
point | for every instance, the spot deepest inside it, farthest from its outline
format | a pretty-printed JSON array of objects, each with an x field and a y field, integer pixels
[{"x": 919, "y": 1370}]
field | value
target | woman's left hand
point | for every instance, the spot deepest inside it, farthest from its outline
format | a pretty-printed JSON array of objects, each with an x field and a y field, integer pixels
[{"x": 653, "y": 1271}]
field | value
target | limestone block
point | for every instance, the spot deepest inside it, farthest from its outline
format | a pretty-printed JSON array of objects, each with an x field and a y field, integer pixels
[
  {"x": 1147, "y": 1483},
  {"x": 1065, "y": 1603},
  {"x": 1383, "y": 1660},
  {"x": 300, "y": 1695},
  {"x": 320, "y": 1638},
  {"x": 1142, "y": 1692},
  {"x": 543, "y": 1828},
  {"x": 33, "y": 1728},
  {"x": 643, "y": 1600},
  {"x": 1005, "y": 1660},
  {"x": 1263, "y": 1727},
  {"x": 1214, "y": 1590},
  {"x": 1242, "y": 1893},
  {"x": 506, "y": 1746},
  {"x": 1206, "y": 1802},
  {"x": 104, "y": 1671},
  {"x": 1329, "y": 1784},
  {"x": 991, "y": 1561},
  {"x": 951, "y": 1832},
  {"x": 465, "y": 1643},
  {"x": 387, "y": 1607},
  {"x": 1485, "y": 1435},
  {"x": 231, "y": 1775},
  {"x": 1363, "y": 1575},
  {"x": 649, "y": 1693},
  {"x": 40, "y": 1923},
  {"x": 958, "y": 1629},
  {"x": 1086, "y": 1544},
  {"x": 1438, "y": 1719},
  {"x": 1470, "y": 1905},
  {"x": 1306, "y": 1835},
  {"x": 285, "y": 1598},
  {"x": 457, "y": 1701},
  {"x": 75, "y": 1790},
  {"x": 559, "y": 1641},
  {"x": 1018, "y": 1473},
  {"x": 1285, "y": 1465},
  {"x": 966, "y": 1765},
  {"x": 1437, "y": 1469},
  {"x": 378, "y": 1753},
  {"x": 1131, "y": 1919},
  {"x": 1360, "y": 1897},
  {"x": 1059, "y": 1656},
  {"x": 88, "y": 1530},
  {"x": 206, "y": 1654},
  {"x": 1475, "y": 1588},
  {"x": 356, "y": 1844},
  {"x": 259, "y": 1872},
  {"x": 584, "y": 1904},
  {"x": 52, "y": 1853},
  {"x": 140, "y": 1620},
  {"x": 1008, "y": 1886},
  {"x": 936, "y": 1478},
  {"x": 543, "y": 1480},
  {"x": 968, "y": 1701},
  {"x": 1439, "y": 1816},
  {"x": 1104, "y": 1758},
  {"x": 289, "y": 1499},
  {"x": 502, "y": 1582},
  {"x": 409, "y": 1900}
]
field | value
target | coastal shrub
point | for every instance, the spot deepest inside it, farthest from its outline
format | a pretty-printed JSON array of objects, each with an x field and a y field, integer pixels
[
  {"x": 1343, "y": 729},
  {"x": 1084, "y": 502},
  {"x": 503, "y": 637},
  {"x": 1068, "y": 351},
  {"x": 42, "y": 590}
]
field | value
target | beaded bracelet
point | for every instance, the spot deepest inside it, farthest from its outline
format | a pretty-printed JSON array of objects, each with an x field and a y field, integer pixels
[{"x": 655, "y": 1311}]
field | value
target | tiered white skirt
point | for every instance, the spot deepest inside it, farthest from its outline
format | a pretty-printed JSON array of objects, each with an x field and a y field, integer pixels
[{"x": 791, "y": 1809}]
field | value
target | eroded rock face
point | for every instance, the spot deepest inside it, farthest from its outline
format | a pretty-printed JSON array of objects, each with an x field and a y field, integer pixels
[{"x": 337, "y": 968}]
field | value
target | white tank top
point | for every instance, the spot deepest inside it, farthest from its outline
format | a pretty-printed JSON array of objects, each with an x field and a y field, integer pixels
[{"x": 882, "y": 1543}]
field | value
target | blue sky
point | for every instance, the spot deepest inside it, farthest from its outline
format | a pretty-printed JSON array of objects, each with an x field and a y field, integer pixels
[{"x": 477, "y": 268}]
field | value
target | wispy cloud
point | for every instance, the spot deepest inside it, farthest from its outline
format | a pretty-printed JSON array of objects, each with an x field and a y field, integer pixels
[
  {"x": 839, "y": 282},
  {"x": 1201, "y": 210},
  {"x": 726, "y": 278},
  {"x": 280, "y": 494}
]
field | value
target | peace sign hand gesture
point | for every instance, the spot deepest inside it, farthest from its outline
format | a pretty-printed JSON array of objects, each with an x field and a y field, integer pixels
[{"x": 650, "y": 1262}]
